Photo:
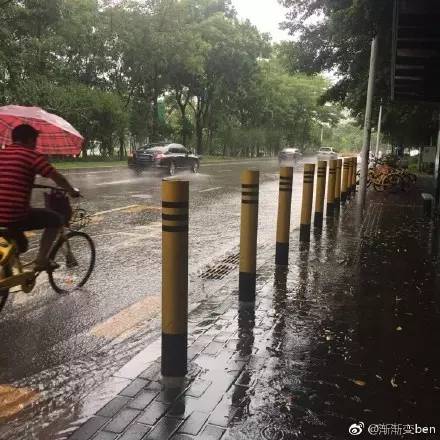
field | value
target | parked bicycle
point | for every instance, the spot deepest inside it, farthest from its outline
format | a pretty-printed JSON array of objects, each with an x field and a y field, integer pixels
[
  {"x": 73, "y": 254},
  {"x": 384, "y": 176}
]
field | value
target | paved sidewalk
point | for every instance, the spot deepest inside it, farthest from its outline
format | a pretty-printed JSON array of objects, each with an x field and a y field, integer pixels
[{"x": 349, "y": 335}]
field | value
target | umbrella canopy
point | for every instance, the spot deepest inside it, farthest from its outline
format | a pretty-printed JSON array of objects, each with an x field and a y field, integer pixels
[{"x": 56, "y": 136}]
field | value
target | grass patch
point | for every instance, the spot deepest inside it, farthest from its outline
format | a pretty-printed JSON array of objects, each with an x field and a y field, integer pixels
[{"x": 68, "y": 165}]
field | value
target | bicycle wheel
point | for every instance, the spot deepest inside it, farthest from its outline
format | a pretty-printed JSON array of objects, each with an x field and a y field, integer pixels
[
  {"x": 75, "y": 254},
  {"x": 4, "y": 293}
]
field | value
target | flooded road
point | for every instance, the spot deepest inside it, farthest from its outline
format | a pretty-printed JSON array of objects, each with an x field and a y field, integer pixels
[{"x": 64, "y": 346}]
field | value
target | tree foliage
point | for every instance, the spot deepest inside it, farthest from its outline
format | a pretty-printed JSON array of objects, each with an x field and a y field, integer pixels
[
  {"x": 185, "y": 70},
  {"x": 335, "y": 35}
]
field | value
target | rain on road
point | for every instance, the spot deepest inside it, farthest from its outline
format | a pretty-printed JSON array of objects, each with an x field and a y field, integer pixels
[{"x": 65, "y": 346}]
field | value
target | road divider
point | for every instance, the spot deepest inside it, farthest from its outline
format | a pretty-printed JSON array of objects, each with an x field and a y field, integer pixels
[
  {"x": 307, "y": 202},
  {"x": 248, "y": 235},
  {"x": 320, "y": 193},
  {"x": 283, "y": 222},
  {"x": 175, "y": 217}
]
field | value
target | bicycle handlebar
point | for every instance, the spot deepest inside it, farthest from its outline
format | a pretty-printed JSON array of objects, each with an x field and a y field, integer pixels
[{"x": 55, "y": 188}]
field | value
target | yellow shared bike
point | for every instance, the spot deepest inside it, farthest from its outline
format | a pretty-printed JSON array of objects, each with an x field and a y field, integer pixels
[{"x": 73, "y": 254}]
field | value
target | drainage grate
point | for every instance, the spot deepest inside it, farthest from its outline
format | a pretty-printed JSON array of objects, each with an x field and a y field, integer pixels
[{"x": 221, "y": 269}]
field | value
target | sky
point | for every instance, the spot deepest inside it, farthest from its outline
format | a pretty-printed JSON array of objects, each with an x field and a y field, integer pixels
[{"x": 265, "y": 14}]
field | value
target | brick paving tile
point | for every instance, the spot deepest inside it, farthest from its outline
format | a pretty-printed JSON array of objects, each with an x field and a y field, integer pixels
[
  {"x": 143, "y": 399},
  {"x": 113, "y": 406},
  {"x": 166, "y": 427},
  {"x": 152, "y": 372},
  {"x": 213, "y": 348},
  {"x": 198, "y": 387},
  {"x": 153, "y": 412},
  {"x": 135, "y": 432},
  {"x": 122, "y": 420},
  {"x": 105, "y": 436},
  {"x": 194, "y": 423},
  {"x": 86, "y": 431},
  {"x": 134, "y": 387},
  {"x": 182, "y": 437},
  {"x": 211, "y": 433}
]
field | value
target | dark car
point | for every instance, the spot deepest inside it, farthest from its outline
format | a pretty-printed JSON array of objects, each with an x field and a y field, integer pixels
[
  {"x": 289, "y": 155},
  {"x": 167, "y": 157}
]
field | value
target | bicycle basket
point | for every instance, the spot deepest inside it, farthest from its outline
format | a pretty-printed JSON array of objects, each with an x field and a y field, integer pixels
[{"x": 59, "y": 202}]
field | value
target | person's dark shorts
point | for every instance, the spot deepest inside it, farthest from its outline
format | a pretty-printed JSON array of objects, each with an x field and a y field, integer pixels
[{"x": 37, "y": 218}]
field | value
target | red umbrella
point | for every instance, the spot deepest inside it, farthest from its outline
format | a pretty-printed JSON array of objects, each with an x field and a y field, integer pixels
[{"x": 56, "y": 136}]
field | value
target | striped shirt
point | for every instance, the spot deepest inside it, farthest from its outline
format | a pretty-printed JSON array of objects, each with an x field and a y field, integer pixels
[{"x": 18, "y": 167}]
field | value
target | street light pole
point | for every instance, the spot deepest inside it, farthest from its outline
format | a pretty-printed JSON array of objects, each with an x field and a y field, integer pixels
[
  {"x": 379, "y": 128},
  {"x": 367, "y": 125}
]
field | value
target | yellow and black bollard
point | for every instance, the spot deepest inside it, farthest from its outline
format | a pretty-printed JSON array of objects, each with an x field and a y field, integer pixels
[
  {"x": 344, "y": 184},
  {"x": 355, "y": 161},
  {"x": 248, "y": 235},
  {"x": 320, "y": 193},
  {"x": 338, "y": 183},
  {"x": 175, "y": 195},
  {"x": 331, "y": 185},
  {"x": 283, "y": 224},
  {"x": 307, "y": 202},
  {"x": 350, "y": 176}
]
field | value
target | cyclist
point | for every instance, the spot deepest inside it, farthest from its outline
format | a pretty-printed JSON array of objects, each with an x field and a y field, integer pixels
[{"x": 19, "y": 164}]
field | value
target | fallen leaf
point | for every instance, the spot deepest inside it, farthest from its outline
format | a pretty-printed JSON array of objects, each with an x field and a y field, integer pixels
[{"x": 360, "y": 383}]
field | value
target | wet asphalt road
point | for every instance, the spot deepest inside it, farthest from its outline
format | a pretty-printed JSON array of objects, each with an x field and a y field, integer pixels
[{"x": 64, "y": 346}]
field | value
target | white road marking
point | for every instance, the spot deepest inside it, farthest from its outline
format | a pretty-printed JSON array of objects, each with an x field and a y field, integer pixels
[
  {"x": 78, "y": 173},
  {"x": 142, "y": 196},
  {"x": 210, "y": 189},
  {"x": 114, "y": 210},
  {"x": 117, "y": 182}
]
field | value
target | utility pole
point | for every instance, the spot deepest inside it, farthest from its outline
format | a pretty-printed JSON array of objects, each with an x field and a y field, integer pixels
[
  {"x": 322, "y": 134},
  {"x": 379, "y": 128},
  {"x": 367, "y": 125}
]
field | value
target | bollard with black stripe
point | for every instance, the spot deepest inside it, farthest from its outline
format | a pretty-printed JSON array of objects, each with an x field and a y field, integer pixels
[
  {"x": 350, "y": 177},
  {"x": 307, "y": 202},
  {"x": 355, "y": 166},
  {"x": 344, "y": 184},
  {"x": 248, "y": 235},
  {"x": 331, "y": 185},
  {"x": 338, "y": 183},
  {"x": 175, "y": 196},
  {"x": 283, "y": 223},
  {"x": 320, "y": 193}
]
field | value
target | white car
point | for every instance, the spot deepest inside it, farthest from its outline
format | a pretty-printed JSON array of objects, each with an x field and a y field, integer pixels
[{"x": 327, "y": 153}]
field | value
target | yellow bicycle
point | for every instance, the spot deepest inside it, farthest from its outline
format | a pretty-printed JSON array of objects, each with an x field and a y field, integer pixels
[{"x": 73, "y": 252}]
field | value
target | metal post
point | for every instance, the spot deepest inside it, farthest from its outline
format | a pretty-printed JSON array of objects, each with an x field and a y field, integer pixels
[
  {"x": 248, "y": 235},
  {"x": 307, "y": 202},
  {"x": 379, "y": 129},
  {"x": 320, "y": 193},
  {"x": 175, "y": 194},
  {"x": 437, "y": 168},
  {"x": 283, "y": 223},
  {"x": 367, "y": 125}
]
